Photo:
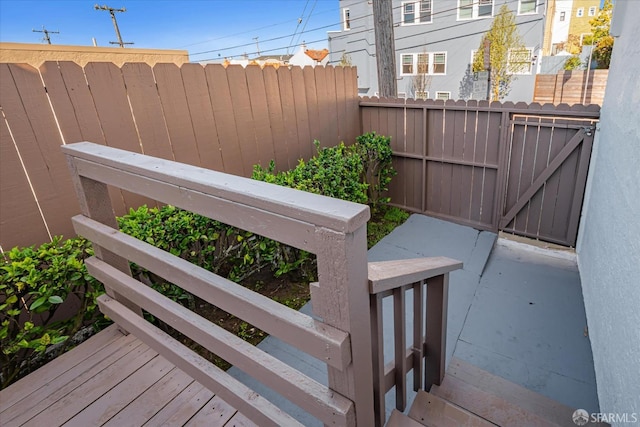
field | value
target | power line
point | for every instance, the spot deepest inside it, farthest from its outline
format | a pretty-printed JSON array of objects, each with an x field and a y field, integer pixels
[
  {"x": 366, "y": 30},
  {"x": 297, "y": 26},
  {"x": 307, "y": 21},
  {"x": 46, "y": 33}
]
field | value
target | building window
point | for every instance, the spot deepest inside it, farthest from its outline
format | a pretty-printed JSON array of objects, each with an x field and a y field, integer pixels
[
  {"x": 407, "y": 64},
  {"x": 424, "y": 63},
  {"x": 421, "y": 94},
  {"x": 439, "y": 63},
  {"x": 580, "y": 12},
  {"x": 346, "y": 19},
  {"x": 526, "y": 6},
  {"x": 409, "y": 15},
  {"x": 562, "y": 16},
  {"x": 520, "y": 61},
  {"x": 443, "y": 95},
  {"x": 474, "y": 9},
  {"x": 592, "y": 11}
]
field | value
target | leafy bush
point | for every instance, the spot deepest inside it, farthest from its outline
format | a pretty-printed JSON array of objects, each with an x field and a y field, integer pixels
[
  {"x": 212, "y": 245},
  {"x": 377, "y": 169},
  {"x": 333, "y": 171},
  {"x": 359, "y": 173},
  {"x": 34, "y": 283},
  {"x": 573, "y": 63}
]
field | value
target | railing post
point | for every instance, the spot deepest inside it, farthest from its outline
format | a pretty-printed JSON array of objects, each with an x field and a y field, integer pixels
[
  {"x": 344, "y": 304},
  {"x": 436, "y": 351},
  {"x": 95, "y": 203}
]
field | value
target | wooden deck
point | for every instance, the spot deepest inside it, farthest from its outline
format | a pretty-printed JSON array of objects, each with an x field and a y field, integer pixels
[{"x": 113, "y": 380}]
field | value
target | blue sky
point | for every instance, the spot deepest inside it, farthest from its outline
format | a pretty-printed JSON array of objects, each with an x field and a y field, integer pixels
[{"x": 207, "y": 29}]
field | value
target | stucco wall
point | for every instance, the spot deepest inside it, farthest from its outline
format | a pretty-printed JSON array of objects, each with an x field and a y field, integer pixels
[
  {"x": 609, "y": 241},
  {"x": 36, "y": 54}
]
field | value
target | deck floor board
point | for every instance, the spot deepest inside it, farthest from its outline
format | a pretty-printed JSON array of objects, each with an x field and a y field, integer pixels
[{"x": 113, "y": 380}]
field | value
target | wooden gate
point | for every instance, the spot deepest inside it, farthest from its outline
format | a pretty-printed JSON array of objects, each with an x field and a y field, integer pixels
[
  {"x": 520, "y": 168},
  {"x": 546, "y": 172}
]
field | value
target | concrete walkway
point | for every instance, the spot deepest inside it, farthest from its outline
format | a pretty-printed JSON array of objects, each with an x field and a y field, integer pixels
[{"x": 515, "y": 312}]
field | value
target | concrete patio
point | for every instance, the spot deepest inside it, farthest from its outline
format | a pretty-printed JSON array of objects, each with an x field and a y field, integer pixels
[{"x": 515, "y": 311}]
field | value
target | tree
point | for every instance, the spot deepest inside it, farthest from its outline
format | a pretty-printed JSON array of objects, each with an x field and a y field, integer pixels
[
  {"x": 421, "y": 82},
  {"x": 600, "y": 37},
  {"x": 573, "y": 63},
  {"x": 507, "y": 54},
  {"x": 345, "y": 60}
]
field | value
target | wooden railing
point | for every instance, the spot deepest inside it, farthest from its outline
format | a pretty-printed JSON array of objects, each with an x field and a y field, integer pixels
[
  {"x": 334, "y": 230},
  {"x": 396, "y": 278},
  {"x": 348, "y": 297}
]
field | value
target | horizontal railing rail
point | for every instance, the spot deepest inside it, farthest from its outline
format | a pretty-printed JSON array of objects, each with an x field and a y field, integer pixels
[
  {"x": 396, "y": 278},
  {"x": 332, "y": 229}
]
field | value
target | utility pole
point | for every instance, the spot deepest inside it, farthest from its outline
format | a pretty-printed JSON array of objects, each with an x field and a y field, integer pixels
[
  {"x": 257, "y": 45},
  {"x": 113, "y": 11},
  {"x": 385, "y": 48},
  {"x": 46, "y": 33}
]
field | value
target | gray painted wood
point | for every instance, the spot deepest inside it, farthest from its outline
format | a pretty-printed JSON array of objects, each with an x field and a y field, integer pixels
[
  {"x": 322, "y": 341},
  {"x": 307, "y": 393},
  {"x": 208, "y": 374}
]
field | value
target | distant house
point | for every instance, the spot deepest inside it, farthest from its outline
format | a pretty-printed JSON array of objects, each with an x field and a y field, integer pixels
[
  {"x": 309, "y": 57},
  {"x": 437, "y": 39},
  {"x": 567, "y": 23}
]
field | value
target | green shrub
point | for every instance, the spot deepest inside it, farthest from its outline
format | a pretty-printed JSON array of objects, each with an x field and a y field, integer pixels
[
  {"x": 573, "y": 63},
  {"x": 377, "y": 169},
  {"x": 212, "y": 245},
  {"x": 333, "y": 171},
  {"x": 34, "y": 283}
]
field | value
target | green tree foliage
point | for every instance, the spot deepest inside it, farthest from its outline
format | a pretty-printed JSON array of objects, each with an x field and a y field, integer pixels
[
  {"x": 34, "y": 282},
  {"x": 573, "y": 63},
  {"x": 507, "y": 55},
  {"x": 600, "y": 37}
]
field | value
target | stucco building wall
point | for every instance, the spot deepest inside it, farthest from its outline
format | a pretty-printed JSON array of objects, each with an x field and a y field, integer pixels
[
  {"x": 609, "y": 241},
  {"x": 36, "y": 54}
]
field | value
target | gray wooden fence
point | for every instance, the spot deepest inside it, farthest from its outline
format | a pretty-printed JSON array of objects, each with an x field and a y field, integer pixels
[
  {"x": 514, "y": 167},
  {"x": 225, "y": 119}
]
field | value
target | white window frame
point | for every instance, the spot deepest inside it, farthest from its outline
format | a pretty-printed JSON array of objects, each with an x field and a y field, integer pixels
[
  {"x": 475, "y": 9},
  {"x": 592, "y": 11},
  {"x": 417, "y": 19},
  {"x": 346, "y": 19},
  {"x": 535, "y": 7},
  {"x": 529, "y": 71},
  {"x": 443, "y": 92},
  {"x": 430, "y": 64},
  {"x": 425, "y": 96},
  {"x": 580, "y": 12}
]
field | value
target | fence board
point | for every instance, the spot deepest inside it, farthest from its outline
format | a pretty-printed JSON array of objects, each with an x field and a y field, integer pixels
[
  {"x": 305, "y": 147},
  {"x": 225, "y": 120},
  {"x": 572, "y": 87},
  {"x": 18, "y": 205},
  {"x": 276, "y": 118},
  {"x": 82, "y": 122},
  {"x": 351, "y": 89},
  {"x": 110, "y": 98},
  {"x": 341, "y": 104},
  {"x": 323, "y": 105},
  {"x": 541, "y": 162},
  {"x": 244, "y": 116},
  {"x": 332, "y": 128},
  {"x": 313, "y": 110},
  {"x": 260, "y": 113},
  {"x": 204, "y": 123},
  {"x": 29, "y": 117},
  {"x": 147, "y": 110},
  {"x": 176, "y": 113},
  {"x": 290, "y": 140}
]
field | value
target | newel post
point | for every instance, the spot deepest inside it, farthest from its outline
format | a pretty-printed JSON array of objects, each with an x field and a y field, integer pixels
[
  {"x": 342, "y": 301},
  {"x": 95, "y": 203},
  {"x": 436, "y": 340}
]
